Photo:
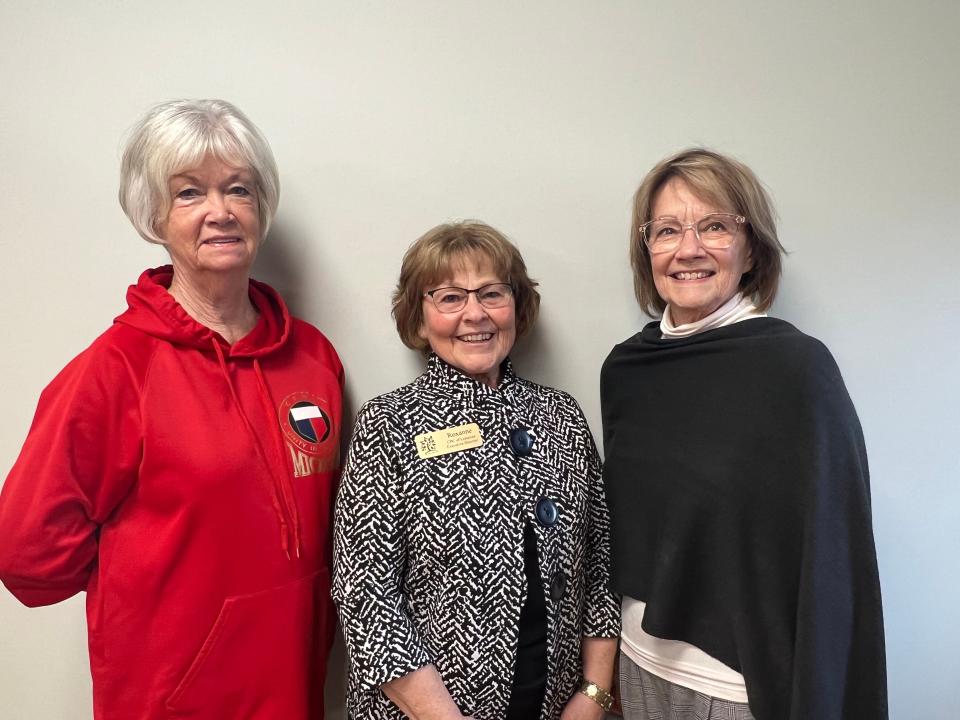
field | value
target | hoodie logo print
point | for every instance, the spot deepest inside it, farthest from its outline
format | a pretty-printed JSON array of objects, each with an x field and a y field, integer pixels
[
  {"x": 309, "y": 422},
  {"x": 309, "y": 432}
]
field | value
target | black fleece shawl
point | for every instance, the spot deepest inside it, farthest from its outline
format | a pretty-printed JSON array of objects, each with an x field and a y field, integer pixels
[{"x": 739, "y": 495}]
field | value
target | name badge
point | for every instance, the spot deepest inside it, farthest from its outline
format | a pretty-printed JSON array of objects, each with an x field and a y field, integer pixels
[{"x": 449, "y": 440}]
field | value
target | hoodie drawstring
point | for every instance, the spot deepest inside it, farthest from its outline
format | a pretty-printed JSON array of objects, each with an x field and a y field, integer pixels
[
  {"x": 291, "y": 500},
  {"x": 277, "y": 495}
]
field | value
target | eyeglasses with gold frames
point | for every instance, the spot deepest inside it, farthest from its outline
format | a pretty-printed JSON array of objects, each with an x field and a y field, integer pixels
[{"x": 715, "y": 231}]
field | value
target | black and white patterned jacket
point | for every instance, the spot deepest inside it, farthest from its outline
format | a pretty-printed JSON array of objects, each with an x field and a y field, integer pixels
[{"x": 428, "y": 553}]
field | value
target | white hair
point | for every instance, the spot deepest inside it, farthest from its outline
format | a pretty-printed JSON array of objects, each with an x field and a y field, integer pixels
[{"x": 175, "y": 136}]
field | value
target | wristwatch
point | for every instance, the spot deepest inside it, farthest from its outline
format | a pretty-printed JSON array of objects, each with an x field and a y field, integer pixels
[{"x": 596, "y": 693}]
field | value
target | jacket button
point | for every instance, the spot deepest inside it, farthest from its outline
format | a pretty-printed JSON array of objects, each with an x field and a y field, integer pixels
[
  {"x": 558, "y": 585},
  {"x": 547, "y": 512},
  {"x": 521, "y": 441}
]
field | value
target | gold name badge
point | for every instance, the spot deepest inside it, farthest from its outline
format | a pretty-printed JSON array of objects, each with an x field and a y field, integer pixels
[{"x": 448, "y": 440}]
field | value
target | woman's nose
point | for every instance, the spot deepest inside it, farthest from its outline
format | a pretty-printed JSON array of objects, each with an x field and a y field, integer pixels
[
  {"x": 218, "y": 210},
  {"x": 473, "y": 309},
  {"x": 690, "y": 245}
]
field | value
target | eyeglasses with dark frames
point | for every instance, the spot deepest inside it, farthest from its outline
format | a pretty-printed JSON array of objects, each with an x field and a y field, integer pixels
[{"x": 452, "y": 299}]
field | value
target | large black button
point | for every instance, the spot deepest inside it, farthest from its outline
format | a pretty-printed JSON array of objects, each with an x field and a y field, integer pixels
[
  {"x": 521, "y": 441},
  {"x": 547, "y": 512},
  {"x": 558, "y": 585}
]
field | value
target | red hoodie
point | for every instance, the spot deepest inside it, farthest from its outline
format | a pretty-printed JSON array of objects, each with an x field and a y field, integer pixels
[{"x": 186, "y": 485}]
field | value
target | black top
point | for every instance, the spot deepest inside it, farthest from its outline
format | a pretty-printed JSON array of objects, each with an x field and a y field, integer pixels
[
  {"x": 740, "y": 506},
  {"x": 530, "y": 671}
]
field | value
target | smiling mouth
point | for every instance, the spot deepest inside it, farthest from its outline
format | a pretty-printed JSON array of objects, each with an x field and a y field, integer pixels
[
  {"x": 221, "y": 241},
  {"x": 696, "y": 275},
  {"x": 475, "y": 337}
]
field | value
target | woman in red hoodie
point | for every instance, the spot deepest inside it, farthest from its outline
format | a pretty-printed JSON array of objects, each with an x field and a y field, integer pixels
[{"x": 181, "y": 469}]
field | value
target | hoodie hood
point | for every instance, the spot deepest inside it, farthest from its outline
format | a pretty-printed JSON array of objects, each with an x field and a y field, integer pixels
[{"x": 154, "y": 311}]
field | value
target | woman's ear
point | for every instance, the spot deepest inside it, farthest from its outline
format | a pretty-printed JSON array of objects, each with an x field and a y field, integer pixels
[{"x": 748, "y": 261}]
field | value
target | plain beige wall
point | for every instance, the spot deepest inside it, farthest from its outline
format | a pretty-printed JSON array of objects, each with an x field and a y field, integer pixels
[{"x": 540, "y": 118}]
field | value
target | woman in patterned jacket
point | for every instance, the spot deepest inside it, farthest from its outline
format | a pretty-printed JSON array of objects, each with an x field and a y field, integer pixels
[{"x": 471, "y": 552}]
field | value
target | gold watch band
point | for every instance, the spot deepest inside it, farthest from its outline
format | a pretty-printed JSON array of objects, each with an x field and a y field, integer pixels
[{"x": 596, "y": 693}]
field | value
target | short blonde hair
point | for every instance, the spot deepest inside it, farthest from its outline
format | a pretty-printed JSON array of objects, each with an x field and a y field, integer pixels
[
  {"x": 175, "y": 136},
  {"x": 434, "y": 257},
  {"x": 730, "y": 184}
]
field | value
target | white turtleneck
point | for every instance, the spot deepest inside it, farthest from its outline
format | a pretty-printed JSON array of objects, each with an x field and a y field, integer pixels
[
  {"x": 673, "y": 660},
  {"x": 732, "y": 311}
]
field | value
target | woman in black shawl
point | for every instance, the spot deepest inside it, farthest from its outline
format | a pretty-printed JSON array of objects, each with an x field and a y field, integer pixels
[{"x": 736, "y": 475}]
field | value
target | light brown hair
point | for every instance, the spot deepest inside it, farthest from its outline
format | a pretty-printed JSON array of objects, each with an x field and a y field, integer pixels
[
  {"x": 434, "y": 258},
  {"x": 730, "y": 184}
]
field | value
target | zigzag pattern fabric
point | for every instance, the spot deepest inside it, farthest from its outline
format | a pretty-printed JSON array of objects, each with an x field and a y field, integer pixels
[{"x": 428, "y": 553}]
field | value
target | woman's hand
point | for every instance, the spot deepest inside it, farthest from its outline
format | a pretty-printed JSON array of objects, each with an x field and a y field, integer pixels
[
  {"x": 421, "y": 695},
  {"x": 580, "y": 707}
]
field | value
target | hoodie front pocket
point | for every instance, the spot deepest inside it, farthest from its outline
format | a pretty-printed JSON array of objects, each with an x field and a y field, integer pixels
[{"x": 263, "y": 659}]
